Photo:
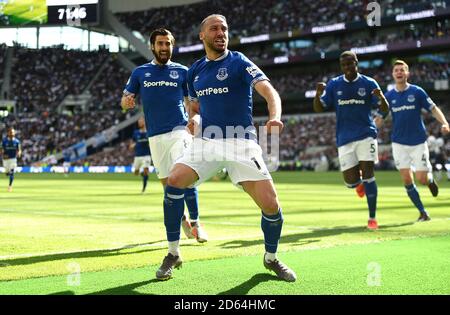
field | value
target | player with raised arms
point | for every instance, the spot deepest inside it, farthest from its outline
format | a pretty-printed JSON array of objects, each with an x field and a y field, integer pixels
[{"x": 353, "y": 96}]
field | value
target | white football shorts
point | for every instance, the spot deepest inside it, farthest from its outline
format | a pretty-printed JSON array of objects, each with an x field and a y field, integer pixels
[
  {"x": 412, "y": 156},
  {"x": 9, "y": 164},
  {"x": 142, "y": 162},
  {"x": 352, "y": 153},
  {"x": 167, "y": 148},
  {"x": 241, "y": 157}
]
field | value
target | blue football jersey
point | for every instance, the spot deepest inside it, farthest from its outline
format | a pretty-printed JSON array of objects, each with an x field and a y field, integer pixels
[
  {"x": 142, "y": 147},
  {"x": 162, "y": 88},
  {"x": 353, "y": 103},
  {"x": 406, "y": 109},
  {"x": 10, "y": 147},
  {"x": 224, "y": 89}
]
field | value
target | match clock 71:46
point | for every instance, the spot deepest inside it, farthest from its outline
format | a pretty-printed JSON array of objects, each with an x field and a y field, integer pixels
[{"x": 72, "y": 12}]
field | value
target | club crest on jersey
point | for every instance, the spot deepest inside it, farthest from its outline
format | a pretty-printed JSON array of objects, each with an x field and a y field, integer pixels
[
  {"x": 361, "y": 92},
  {"x": 174, "y": 74},
  {"x": 411, "y": 98},
  {"x": 147, "y": 74},
  {"x": 222, "y": 74}
]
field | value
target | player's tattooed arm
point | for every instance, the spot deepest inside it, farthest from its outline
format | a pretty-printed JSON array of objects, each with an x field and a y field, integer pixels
[
  {"x": 128, "y": 100},
  {"x": 317, "y": 104},
  {"x": 266, "y": 90},
  {"x": 384, "y": 105},
  {"x": 437, "y": 113}
]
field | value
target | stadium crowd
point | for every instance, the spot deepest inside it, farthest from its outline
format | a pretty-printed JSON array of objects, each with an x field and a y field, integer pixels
[
  {"x": 42, "y": 78},
  {"x": 420, "y": 73},
  {"x": 268, "y": 16}
]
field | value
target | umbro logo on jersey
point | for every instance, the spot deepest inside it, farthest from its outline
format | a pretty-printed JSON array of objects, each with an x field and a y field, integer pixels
[
  {"x": 362, "y": 92},
  {"x": 339, "y": 92},
  {"x": 411, "y": 98},
  {"x": 174, "y": 74},
  {"x": 222, "y": 74},
  {"x": 196, "y": 78},
  {"x": 147, "y": 74},
  {"x": 394, "y": 101}
]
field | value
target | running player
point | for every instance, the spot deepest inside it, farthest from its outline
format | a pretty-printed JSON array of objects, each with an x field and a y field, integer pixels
[
  {"x": 353, "y": 96},
  {"x": 409, "y": 137},
  {"x": 10, "y": 151},
  {"x": 163, "y": 89},
  {"x": 142, "y": 156}
]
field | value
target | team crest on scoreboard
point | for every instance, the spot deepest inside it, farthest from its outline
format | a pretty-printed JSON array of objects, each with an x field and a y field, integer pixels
[
  {"x": 361, "y": 92},
  {"x": 174, "y": 74},
  {"x": 411, "y": 98},
  {"x": 222, "y": 74}
]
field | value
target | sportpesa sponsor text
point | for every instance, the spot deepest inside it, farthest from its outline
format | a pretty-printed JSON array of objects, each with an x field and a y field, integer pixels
[
  {"x": 159, "y": 83},
  {"x": 351, "y": 102}
]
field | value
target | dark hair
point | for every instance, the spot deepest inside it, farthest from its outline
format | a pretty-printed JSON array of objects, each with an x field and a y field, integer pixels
[
  {"x": 348, "y": 53},
  {"x": 163, "y": 32}
]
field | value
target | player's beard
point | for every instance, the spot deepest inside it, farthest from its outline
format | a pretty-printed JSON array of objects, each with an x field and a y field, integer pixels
[
  {"x": 218, "y": 50},
  {"x": 162, "y": 60}
]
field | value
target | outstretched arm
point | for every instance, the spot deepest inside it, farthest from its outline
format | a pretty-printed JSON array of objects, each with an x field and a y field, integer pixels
[
  {"x": 268, "y": 92},
  {"x": 437, "y": 113}
]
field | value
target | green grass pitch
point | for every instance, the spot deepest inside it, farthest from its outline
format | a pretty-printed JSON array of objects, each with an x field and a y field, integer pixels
[
  {"x": 26, "y": 11},
  {"x": 96, "y": 234}
]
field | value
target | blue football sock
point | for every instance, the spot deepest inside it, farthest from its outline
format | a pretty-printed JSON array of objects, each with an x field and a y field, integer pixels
[
  {"x": 271, "y": 226},
  {"x": 145, "y": 179},
  {"x": 191, "y": 199},
  {"x": 11, "y": 178},
  {"x": 370, "y": 186},
  {"x": 173, "y": 211},
  {"x": 414, "y": 196}
]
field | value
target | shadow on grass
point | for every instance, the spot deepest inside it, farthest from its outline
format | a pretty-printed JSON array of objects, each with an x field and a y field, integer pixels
[
  {"x": 128, "y": 289},
  {"x": 246, "y": 286},
  {"x": 83, "y": 254},
  {"x": 312, "y": 236}
]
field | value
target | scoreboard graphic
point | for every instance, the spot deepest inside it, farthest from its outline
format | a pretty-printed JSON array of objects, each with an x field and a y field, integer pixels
[{"x": 15, "y": 13}]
